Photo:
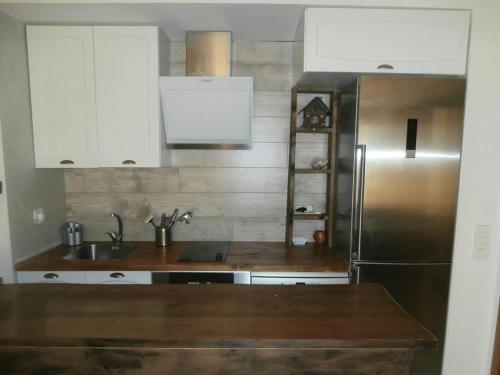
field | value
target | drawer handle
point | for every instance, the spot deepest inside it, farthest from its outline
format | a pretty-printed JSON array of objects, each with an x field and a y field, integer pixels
[
  {"x": 51, "y": 276},
  {"x": 385, "y": 66},
  {"x": 117, "y": 275},
  {"x": 128, "y": 161},
  {"x": 66, "y": 161}
]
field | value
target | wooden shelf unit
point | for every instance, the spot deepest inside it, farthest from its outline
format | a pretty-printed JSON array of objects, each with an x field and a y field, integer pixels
[
  {"x": 331, "y": 131},
  {"x": 318, "y": 131},
  {"x": 299, "y": 216}
]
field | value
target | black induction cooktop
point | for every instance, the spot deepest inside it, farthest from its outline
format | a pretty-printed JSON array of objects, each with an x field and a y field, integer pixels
[{"x": 205, "y": 252}]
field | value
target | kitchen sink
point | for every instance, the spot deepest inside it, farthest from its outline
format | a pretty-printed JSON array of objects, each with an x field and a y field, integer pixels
[{"x": 100, "y": 251}]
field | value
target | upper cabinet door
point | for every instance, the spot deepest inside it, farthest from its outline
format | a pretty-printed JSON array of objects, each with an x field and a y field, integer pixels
[
  {"x": 61, "y": 66},
  {"x": 386, "y": 41},
  {"x": 127, "y": 96}
]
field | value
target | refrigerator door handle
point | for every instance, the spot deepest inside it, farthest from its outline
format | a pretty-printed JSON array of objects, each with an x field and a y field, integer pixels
[{"x": 358, "y": 200}]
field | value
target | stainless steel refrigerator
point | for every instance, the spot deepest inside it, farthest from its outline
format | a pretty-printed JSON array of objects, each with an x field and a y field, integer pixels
[{"x": 397, "y": 184}]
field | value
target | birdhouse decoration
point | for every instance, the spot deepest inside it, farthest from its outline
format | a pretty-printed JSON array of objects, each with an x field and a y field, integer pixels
[{"x": 315, "y": 113}]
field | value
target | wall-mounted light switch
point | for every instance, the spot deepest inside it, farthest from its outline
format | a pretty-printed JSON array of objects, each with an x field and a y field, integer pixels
[
  {"x": 38, "y": 216},
  {"x": 481, "y": 241}
]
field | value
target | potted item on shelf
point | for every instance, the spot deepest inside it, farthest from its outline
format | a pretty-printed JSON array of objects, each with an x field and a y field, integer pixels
[
  {"x": 314, "y": 114},
  {"x": 319, "y": 237}
]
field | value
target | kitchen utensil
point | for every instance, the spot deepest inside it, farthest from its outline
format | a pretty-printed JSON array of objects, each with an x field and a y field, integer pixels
[
  {"x": 172, "y": 219},
  {"x": 72, "y": 233},
  {"x": 186, "y": 217},
  {"x": 145, "y": 215},
  {"x": 163, "y": 220}
]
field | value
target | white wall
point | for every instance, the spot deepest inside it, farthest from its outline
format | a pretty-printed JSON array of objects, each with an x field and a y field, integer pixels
[
  {"x": 27, "y": 188},
  {"x": 6, "y": 266}
]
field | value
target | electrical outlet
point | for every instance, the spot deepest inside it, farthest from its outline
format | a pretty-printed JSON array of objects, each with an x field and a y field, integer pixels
[
  {"x": 482, "y": 233},
  {"x": 38, "y": 216}
]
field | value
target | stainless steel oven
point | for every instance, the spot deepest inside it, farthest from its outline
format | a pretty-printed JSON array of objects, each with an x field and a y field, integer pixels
[{"x": 201, "y": 277}]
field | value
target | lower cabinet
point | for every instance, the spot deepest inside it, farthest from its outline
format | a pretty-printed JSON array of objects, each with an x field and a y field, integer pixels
[
  {"x": 84, "y": 277},
  {"x": 145, "y": 277},
  {"x": 118, "y": 277},
  {"x": 299, "y": 278},
  {"x": 59, "y": 277}
]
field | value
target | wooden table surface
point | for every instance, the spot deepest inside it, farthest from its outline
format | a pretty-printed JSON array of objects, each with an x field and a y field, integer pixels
[
  {"x": 206, "y": 316},
  {"x": 247, "y": 256}
]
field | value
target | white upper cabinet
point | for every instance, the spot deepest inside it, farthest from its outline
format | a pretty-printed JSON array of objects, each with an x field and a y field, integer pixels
[
  {"x": 127, "y": 96},
  {"x": 407, "y": 41},
  {"x": 61, "y": 65},
  {"x": 95, "y": 95}
]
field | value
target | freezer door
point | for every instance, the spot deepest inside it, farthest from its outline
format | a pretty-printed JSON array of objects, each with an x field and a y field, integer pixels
[
  {"x": 412, "y": 128},
  {"x": 422, "y": 290}
]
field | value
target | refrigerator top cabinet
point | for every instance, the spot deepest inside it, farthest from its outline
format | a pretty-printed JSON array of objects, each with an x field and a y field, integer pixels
[
  {"x": 406, "y": 168},
  {"x": 391, "y": 41},
  {"x": 207, "y": 111}
]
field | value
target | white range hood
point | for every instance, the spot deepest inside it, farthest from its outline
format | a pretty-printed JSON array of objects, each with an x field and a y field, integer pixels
[{"x": 206, "y": 112}]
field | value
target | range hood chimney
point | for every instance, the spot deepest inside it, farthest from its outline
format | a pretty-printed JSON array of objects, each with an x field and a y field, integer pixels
[{"x": 208, "y": 53}]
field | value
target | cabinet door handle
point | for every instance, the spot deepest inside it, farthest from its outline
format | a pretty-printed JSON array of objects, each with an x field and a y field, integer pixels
[
  {"x": 128, "y": 161},
  {"x": 66, "y": 161},
  {"x": 51, "y": 276},
  {"x": 117, "y": 275},
  {"x": 385, "y": 66}
]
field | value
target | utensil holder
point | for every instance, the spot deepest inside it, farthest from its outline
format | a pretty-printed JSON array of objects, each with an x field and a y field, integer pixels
[{"x": 162, "y": 237}]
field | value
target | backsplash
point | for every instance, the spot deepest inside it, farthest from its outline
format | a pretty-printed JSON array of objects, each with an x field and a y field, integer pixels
[{"x": 236, "y": 195}]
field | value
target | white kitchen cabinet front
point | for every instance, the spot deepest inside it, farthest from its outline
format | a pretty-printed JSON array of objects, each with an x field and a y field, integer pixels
[
  {"x": 127, "y": 96},
  {"x": 299, "y": 278},
  {"x": 52, "y": 277},
  {"x": 95, "y": 96},
  {"x": 409, "y": 41},
  {"x": 118, "y": 277},
  {"x": 61, "y": 66}
]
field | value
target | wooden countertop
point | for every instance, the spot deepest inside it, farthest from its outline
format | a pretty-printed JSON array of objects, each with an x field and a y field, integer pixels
[
  {"x": 247, "y": 256},
  {"x": 206, "y": 316}
]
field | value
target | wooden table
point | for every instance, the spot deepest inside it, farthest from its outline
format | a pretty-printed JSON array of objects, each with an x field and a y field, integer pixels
[
  {"x": 243, "y": 256},
  {"x": 205, "y": 329}
]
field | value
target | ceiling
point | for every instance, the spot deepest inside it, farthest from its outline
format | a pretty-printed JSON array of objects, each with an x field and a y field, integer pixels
[{"x": 260, "y": 22}]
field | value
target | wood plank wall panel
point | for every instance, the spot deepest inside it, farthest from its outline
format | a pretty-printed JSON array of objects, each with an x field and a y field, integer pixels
[
  {"x": 122, "y": 180},
  {"x": 203, "y": 204},
  {"x": 235, "y": 194}
]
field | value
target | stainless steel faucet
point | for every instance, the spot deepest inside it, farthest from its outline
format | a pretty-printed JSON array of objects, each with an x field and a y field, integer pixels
[{"x": 116, "y": 238}]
